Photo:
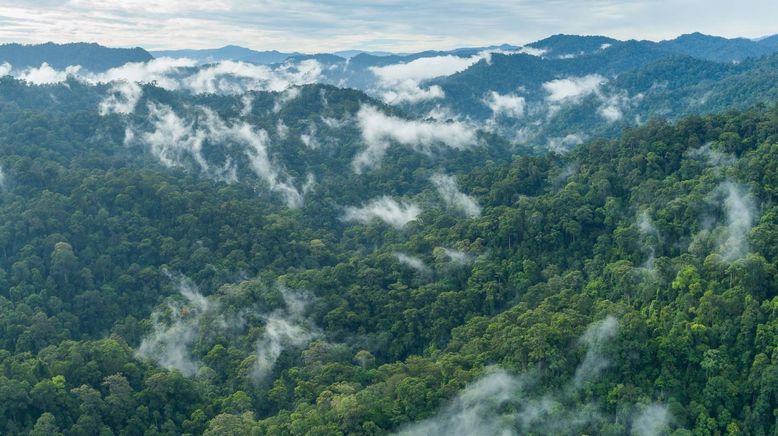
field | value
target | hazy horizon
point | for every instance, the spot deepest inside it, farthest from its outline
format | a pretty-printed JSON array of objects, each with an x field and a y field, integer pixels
[
  {"x": 387, "y": 25},
  {"x": 350, "y": 49}
]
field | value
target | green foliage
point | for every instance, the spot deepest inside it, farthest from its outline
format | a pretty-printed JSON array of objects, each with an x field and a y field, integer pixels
[{"x": 90, "y": 237}]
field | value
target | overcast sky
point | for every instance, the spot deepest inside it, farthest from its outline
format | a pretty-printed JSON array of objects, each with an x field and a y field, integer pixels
[{"x": 392, "y": 25}]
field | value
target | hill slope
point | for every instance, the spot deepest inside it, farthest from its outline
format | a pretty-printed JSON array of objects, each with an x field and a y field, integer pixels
[
  {"x": 153, "y": 278},
  {"x": 92, "y": 57}
]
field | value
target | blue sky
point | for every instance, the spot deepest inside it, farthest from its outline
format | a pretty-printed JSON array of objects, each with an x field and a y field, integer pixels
[{"x": 393, "y": 25}]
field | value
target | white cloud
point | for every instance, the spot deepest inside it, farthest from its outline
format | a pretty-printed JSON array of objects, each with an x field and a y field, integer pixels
[
  {"x": 330, "y": 26},
  {"x": 563, "y": 145},
  {"x": 410, "y": 92},
  {"x": 388, "y": 210},
  {"x": 230, "y": 77},
  {"x": 5, "y": 69},
  {"x": 226, "y": 77},
  {"x": 121, "y": 99},
  {"x": 45, "y": 74},
  {"x": 532, "y": 51},
  {"x": 401, "y": 83},
  {"x": 613, "y": 106},
  {"x": 611, "y": 113},
  {"x": 380, "y": 131},
  {"x": 164, "y": 72},
  {"x": 572, "y": 89},
  {"x": 509, "y": 105},
  {"x": 422, "y": 69},
  {"x": 453, "y": 197}
]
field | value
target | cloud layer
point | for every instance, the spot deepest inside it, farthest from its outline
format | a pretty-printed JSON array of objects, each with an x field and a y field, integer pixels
[
  {"x": 572, "y": 89},
  {"x": 225, "y": 77}
]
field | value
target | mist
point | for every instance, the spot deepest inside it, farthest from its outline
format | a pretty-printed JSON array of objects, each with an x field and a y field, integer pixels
[
  {"x": 180, "y": 74},
  {"x": 500, "y": 403},
  {"x": 475, "y": 411},
  {"x": 573, "y": 89},
  {"x": 412, "y": 262},
  {"x": 401, "y": 83},
  {"x": 176, "y": 329},
  {"x": 380, "y": 131},
  {"x": 284, "y": 327},
  {"x": 565, "y": 144},
  {"x": 452, "y": 256},
  {"x": 453, "y": 197},
  {"x": 255, "y": 143},
  {"x": 596, "y": 336},
  {"x": 508, "y": 105},
  {"x": 713, "y": 157},
  {"x": 650, "y": 237},
  {"x": 122, "y": 98},
  {"x": 174, "y": 140},
  {"x": 285, "y": 97},
  {"x": 386, "y": 209},
  {"x": 653, "y": 420},
  {"x": 741, "y": 212},
  {"x": 46, "y": 75}
]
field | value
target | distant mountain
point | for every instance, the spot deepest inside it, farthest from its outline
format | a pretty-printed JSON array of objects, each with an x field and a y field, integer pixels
[
  {"x": 716, "y": 48},
  {"x": 573, "y": 45},
  {"x": 697, "y": 45},
  {"x": 771, "y": 42},
  {"x": 506, "y": 74},
  {"x": 324, "y": 58},
  {"x": 228, "y": 53},
  {"x": 348, "y": 54},
  {"x": 539, "y": 100},
  {"x": 92, "y": 57}
]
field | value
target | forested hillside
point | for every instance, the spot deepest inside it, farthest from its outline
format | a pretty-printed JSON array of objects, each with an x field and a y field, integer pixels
[
  {"x": 312, "y": 261},
  {"x": 92, "y": 57}
]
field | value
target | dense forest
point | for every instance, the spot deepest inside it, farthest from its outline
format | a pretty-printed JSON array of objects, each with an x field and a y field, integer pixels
[
  {"x": 260, "y": 253},
  {"x": 628, "y": 286}
]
